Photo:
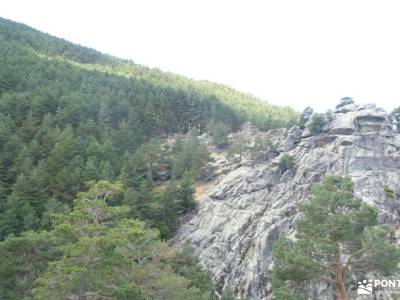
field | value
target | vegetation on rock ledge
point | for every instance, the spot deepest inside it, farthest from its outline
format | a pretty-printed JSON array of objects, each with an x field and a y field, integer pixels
[{"x": 338, "y": 241}]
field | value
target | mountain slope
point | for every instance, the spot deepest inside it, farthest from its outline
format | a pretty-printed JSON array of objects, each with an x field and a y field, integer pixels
[
  {"x": 241, "y": 106},
  {"x": 75, "y": 123},
  {"x": 69, "y": 114}
]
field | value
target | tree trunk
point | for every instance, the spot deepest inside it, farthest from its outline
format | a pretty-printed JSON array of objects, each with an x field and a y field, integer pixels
[
  {"x": 341, "y": 292},
  {"x": 82, "y": 293},
  {"x": 82, "y": 290}
]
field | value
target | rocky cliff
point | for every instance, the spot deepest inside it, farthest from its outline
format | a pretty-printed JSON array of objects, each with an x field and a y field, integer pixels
[{"x": 254, "y": 203}]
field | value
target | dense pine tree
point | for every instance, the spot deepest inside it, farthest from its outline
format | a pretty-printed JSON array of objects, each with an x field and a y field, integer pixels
[
  {"x": 337, "y": 240},
  {"x": 95, "y": 252}
]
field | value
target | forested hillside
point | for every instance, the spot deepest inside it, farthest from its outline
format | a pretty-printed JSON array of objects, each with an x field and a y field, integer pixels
[
  {"x": 83, "y": 139},
  {"x": 69, "y": 114}
]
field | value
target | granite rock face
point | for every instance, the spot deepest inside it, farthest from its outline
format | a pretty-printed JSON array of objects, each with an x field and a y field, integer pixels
[{"x": 255, "y": 203}]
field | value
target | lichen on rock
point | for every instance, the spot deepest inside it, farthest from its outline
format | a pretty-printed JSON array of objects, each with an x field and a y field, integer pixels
[{"x": 251, "y": 206}]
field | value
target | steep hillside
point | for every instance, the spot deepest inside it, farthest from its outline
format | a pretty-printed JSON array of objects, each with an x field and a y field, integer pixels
[
  {"x": 69, "y": 114},
  {"x": 217, "y": 101},
  {"x": 254, "y": 200}
]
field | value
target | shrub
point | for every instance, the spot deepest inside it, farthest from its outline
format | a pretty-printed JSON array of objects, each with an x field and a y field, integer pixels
[
  {"x": 305, "y": 116},
  {"x": 345, "y": 101},
  {"x": 239, "y": 146},
  {"x": 287, "y": 162},
  {"x": 219, "y": 132},
  {"x": 388, "y": 191},
  {"x": 316, "y": 124},
  {"x": 261, "y": 147}
]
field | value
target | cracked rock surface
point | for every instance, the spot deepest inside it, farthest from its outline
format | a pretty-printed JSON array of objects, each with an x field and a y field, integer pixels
[{"x": 255, "y": 203}]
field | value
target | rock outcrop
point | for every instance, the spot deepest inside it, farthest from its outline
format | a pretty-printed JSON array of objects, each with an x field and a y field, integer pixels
[{"x": 253, "y": 205}]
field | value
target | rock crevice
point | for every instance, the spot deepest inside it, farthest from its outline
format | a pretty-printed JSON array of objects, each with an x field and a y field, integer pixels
[{"x": 254, "y": 204}]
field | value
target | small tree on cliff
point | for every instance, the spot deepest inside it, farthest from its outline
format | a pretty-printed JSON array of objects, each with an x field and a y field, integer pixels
[
  {"x": 345, "y": 101},
  {"x": 337, "y": 239},
  {"x": 239, "y": 146},
  {"x": 305, "y": 116},
  {"x": 219, "y": 132},
  {"x": 286, "y": 162},
  {"x": 316, "y": 124}
]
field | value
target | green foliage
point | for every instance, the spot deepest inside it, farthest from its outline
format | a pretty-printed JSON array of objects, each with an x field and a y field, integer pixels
[
  {"x": 185, "y": 195},
  {"x": 286, "y": 163},
  {"x": 162, "y": 208},
  {"x": 23, "y": 259},
  {"x": 316, "y": 123},
  {"x": 227, "y": 294},
  {"x": 239, "y": 147},
  {"x": 345, "y": 101},
  {"x": 388, "y": 191},
  {"x": 70, "y": 114},
  {"x": 170, "y": 208},
  {"x": 261, "y": 147},
  {"x": 189, "y": 156},
  {"x": 177, "y": 198},
  {"x": 140, "y": 200},
  {"x": 305, "y": 116},
  {"x": 337, "y": 239},
  {"x": 219, "y": 132},
  {"x": 95, "y": 252},
  {"x": 187, "y": 265},
  {"x": 72, "y": 120},
  {"x": 102, "y": 190},
  {"x": 262, "y": 144}
]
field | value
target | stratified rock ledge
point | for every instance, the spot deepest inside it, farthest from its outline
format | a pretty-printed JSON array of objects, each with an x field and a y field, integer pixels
[{"x": 254, "y": 204}]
